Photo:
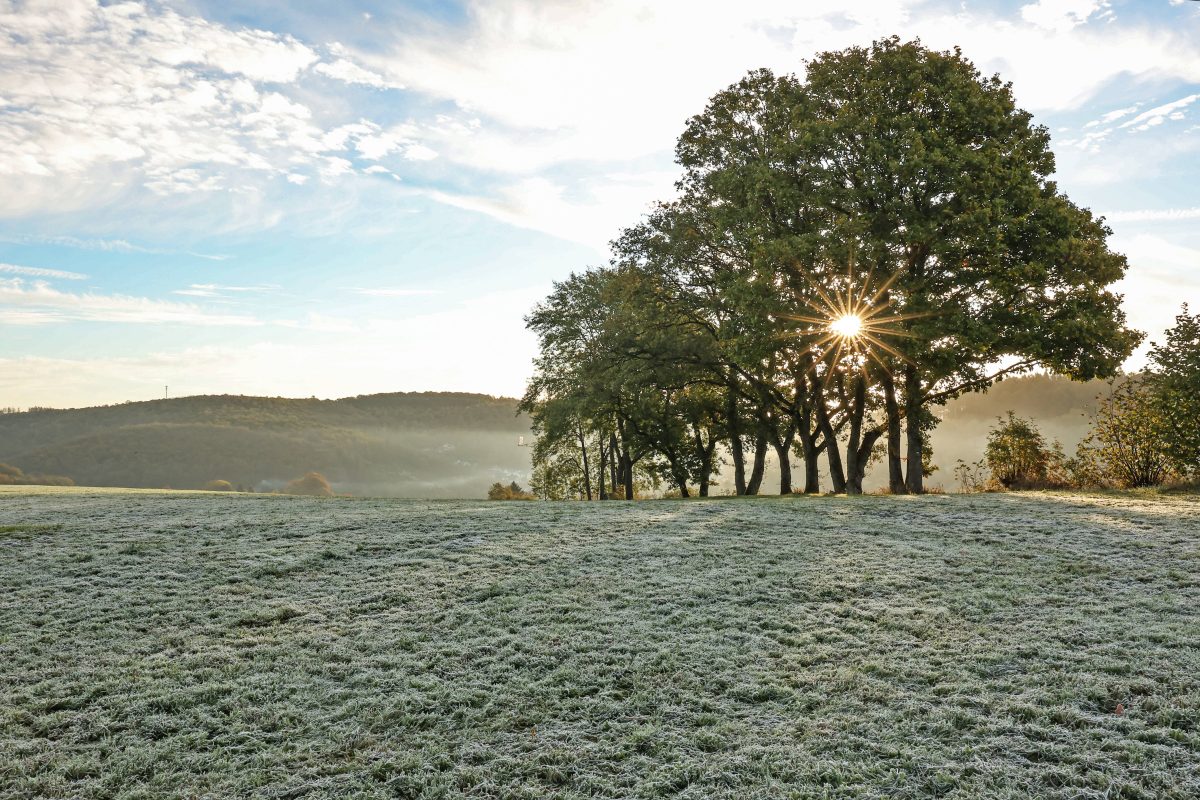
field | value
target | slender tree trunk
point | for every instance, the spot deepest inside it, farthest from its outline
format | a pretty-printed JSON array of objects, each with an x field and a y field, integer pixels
[
  {"x": 915, "y": 476},
  {"x": 895, "y": 461},
  {"x": 735, "y": 441},
  {"x": 587, "y": 472},
  {"x": 854, "y": 465},
  {"x": 613, "y": 468},
  {"x": 604, "y": 454},
  {"x": 706, "y": 466},
  {"x": 783, "y": 450},
  {"x": 808, "y": 446},
  {"x": 704, "y": 454},
  {"x": 760, "y": 463},
  {"x": 628, "y": 467},
  {"x": 837, "y": 476}
]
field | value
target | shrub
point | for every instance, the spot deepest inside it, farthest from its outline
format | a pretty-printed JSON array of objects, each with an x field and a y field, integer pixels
[
  {"x": 312, "y": 483},
  {"x": 218, "y": 486},
  {"x": 1019, "y": 457},
  {"x": 511, "y": 492},
  {"x": 1130, "y": 442}
]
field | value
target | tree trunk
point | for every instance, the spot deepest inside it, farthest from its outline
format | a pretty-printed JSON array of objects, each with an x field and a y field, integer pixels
[
  {"x": 895, "y": 462},
  {"x": 915, "y": 475},
  {"x": 735, "y": 441},
  {"x": 837, "y": 475},
  {"x": 760, "y": 463},
  {"x": 613, "y": 468},
  {"x": 587, "y": 472},
  {"x": 812, "y": 467},
  {"x": 600, "y": 489},
  {"x": 627, "y": 465},
  {"x": 783, "y": 451},
  {"x": 854, "y": 461},
  {"x": 706, "y": 466},
  {"x": 855, "y": 479}
]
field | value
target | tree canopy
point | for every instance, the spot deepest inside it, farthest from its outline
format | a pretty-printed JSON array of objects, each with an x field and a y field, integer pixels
[{"x": 846, "y": 252}]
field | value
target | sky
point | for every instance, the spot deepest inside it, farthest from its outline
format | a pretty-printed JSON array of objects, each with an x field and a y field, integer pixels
[{"x": 330, "y": 199}]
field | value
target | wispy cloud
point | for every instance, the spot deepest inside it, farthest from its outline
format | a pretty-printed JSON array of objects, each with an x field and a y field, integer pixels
[
  {"x": 1154, "y": 215},
  {"x": 39, "y": 272},
  {"x": 396, "y": 292},
  {"x": 220, "y": 290},
  {"x": 104, "y": 245},
  {"x": 1113, "y": 116},
  {"x": 39, "y": 303},
  {"x": 1160, "y": 114},
  {"x": 349, "y": 72}
]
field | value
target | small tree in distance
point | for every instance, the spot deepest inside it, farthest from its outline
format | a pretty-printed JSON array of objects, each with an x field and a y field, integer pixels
[
  {"x": 1175, "y": 383},
  {"x": 312, "y": 483},
  {"x": 1131, "y": 439},
  {"x": 512, "y": 491},
  {"x": 1020, "y": 458}
]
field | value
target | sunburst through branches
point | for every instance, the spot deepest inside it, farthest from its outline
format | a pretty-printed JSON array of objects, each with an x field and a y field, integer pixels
[{"x": 853, "y": 320}]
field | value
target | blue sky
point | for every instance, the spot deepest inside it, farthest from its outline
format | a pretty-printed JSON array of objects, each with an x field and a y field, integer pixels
[{"x": 332, "y": 199}]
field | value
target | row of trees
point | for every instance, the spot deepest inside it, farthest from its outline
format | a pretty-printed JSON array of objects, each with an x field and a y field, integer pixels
[
  {"x": 15, "y": 476},
  {"x": 1145, "y": 432},
  {"x": 846, "y": 252}
]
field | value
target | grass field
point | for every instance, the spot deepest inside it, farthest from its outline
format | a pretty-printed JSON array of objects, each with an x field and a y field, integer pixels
[{"x": 172, "y": 644}]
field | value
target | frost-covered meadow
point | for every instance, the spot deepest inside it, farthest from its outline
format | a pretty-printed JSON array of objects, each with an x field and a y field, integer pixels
[{"x": 172, "y": 644}]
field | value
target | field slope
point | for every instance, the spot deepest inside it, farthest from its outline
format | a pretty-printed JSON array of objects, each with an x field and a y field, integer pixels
[{"x": 158, "y": 644}]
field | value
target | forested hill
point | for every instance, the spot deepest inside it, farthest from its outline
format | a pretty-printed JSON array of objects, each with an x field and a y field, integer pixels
[{"x": 429, "y": 444}]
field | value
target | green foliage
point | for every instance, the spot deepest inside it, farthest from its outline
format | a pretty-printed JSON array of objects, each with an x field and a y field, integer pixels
[
  {"x": 218, "y": 486},
  {"x": 1132, "y": 440},
  {"x": 1019, "y": 457},
  {"x": 893, "y": 175},
  {"x": 1175, "y": 383}
]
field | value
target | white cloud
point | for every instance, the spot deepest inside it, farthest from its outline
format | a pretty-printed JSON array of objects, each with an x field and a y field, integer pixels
[
  {"x": 592, "y": 215},
  {"x": 219, "y": 290},
  {"x": 1062, "y": 15},
  {"x": 396, "y": 292},
  {"x": 1154, "y": 215},
  {"x": 38, "y": 302},
  {"x": 348, "y": 72},
  {"x": 105, "y": 245},
  {"x": 102, "y": 99},
  {"x": 1160, "y": 114},
  {"x": 1113, "y": 116},
  {"x": 39, "y": 272}
]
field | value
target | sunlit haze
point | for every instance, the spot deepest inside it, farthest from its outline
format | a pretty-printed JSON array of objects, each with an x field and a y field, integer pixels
[{"x": 340, "y": 199}]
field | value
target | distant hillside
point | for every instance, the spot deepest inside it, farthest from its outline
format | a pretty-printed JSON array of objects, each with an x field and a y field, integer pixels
[{"x": 430, "y": 444}]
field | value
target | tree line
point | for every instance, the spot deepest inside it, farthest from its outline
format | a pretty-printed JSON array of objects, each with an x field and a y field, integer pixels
[{"x": 846, "y": 252}]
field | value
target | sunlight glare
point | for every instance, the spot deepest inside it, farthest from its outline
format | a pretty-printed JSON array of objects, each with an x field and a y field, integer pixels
[{"x": 847, "y": 326}]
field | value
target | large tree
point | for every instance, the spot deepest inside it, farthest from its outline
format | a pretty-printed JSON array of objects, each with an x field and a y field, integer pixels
[
  {"x": 893, "y": 185},
  {"x": 906, "y": 170}
]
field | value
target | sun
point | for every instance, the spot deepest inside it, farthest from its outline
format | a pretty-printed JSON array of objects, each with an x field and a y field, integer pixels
[
  {"x": 854, "y": 323},
  {"x": 847, "y": 326}
]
